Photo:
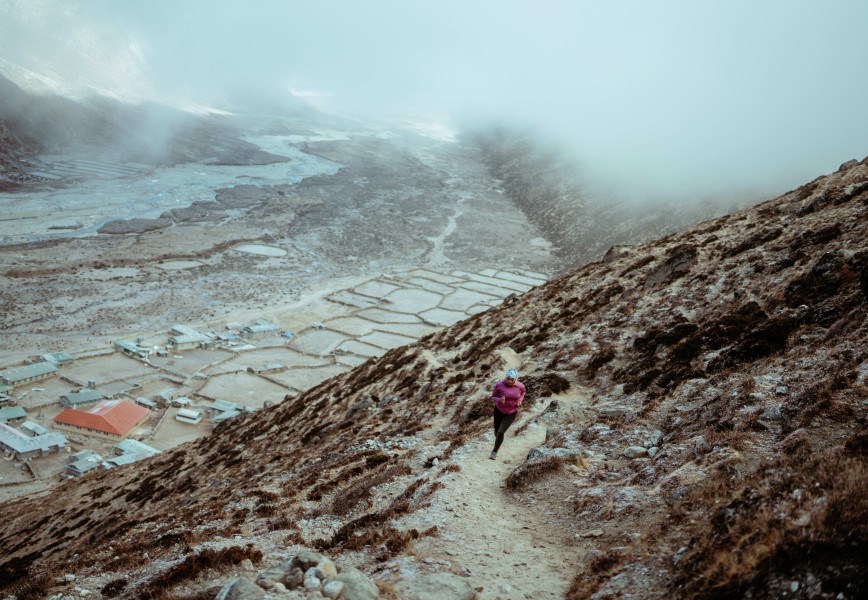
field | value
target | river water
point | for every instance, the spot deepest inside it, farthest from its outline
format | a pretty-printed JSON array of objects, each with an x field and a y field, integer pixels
[{"x": 87, "y": 202}]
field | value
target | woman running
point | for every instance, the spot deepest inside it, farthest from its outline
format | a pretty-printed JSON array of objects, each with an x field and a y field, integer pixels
[{"x": 508, "y": 394}]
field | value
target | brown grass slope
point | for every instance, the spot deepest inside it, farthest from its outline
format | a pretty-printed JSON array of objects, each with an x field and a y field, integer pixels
[{"x": 742, "y": 341}]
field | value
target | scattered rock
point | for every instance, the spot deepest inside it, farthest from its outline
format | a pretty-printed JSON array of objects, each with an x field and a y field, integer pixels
[
  {"x": 305, "y": 559},
  {"x": 654, "y": 440},
  {"x": 699, "y": 445},
  {"x": 333, "y": 589},
  {"x": 593, "y": 533},
  {"x": 771, "y": 414},
  {"x": 321, "y": 578},
  {"x": 240, "y": 589},
  {"x": 550, "y": 410},
  {"x": 270, "y": 577},
  {"x": 357, "y": 586},
  {"x": 326, "y": 569},
  {"x": 608, "y": 413},
  {"x": 636, "y": 452},
  {"x": 541, "y": 453},
  {"x": 311, "y": 581},
  {"x": 294, "y": 579}
]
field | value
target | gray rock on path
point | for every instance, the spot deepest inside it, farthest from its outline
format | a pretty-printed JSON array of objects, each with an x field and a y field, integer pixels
[
  {"x": 305, "y": 559},
  {"x": 772, "y": 413},
  {"x": 333, "y": 589},
  {"x": 357, "y": 585},
  {"x": 541, "y": 453},
  {"x": 268, "y": 578},
  {"x": 636, "y": 452},
  {"x": 311, "y": 581},
  {"x": 654, "y": 440},
  {"x": 240, "y": 588},
  {"x": 436, "y": 586},
  {"x": 294, "y": 578},
  {"x": 612, "y": 412},
  {"x": 550, "y": 412},
  {"x": 310, "y": 575}
]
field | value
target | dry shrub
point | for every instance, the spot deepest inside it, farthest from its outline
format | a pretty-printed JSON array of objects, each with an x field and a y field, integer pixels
[
  {"x": 604, "y": 562},
  {"x": 517, "y": 431},
  {"x": 456, "y": 442},
  {"x": 800, "y": 410},
  {"x": 325, "y": 487},
  {"x": 543, "y": 386},
  {"x": 596, "y": 571},
  {"x": 377, "y": 457},
  {"x": 114, "y": 587},
  {"x": 372, "y": 534},
  {"x": 193, "y": 566},
  {"x": 280, "y": 523},
  {"x": 804, "y": 515},
  {"x": 588, "y": 435},
  {"x": 265, "y": 496},
  {"x": 294, "y": 538},
  {"x": 371, "y": 529},
  {"x": 125, "y": 562},
  {"x": 387, "y": 591},
  {"x": 473, "y": 412},
  {"x": 34, "y": 587},
  {"x": 361, "y": 490},
  {"x": 528, "y": 473},
  {"x": 393, "y": 539},
  {"x": 401, "y": 503},
  {"x": 600, "y": 358}
]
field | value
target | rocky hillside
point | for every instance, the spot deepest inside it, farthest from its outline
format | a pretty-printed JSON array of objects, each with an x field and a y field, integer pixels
[{"x": 704, "y": 400}]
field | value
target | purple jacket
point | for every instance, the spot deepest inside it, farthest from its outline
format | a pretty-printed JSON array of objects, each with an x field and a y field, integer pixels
[{"x": 507, "y": 398}]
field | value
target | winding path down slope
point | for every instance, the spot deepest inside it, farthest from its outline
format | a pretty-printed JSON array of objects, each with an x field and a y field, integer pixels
[{"x": 508, "y": 546}]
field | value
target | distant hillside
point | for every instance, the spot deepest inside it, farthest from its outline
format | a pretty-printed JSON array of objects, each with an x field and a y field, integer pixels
[
  {"x": 556, "y": 197},
  {"x": 150, "y": 133},
  {"x": 722, "y": 453}
]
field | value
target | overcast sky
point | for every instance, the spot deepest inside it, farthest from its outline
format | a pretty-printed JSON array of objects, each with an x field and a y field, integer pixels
[{"x": 678, "y": 96}]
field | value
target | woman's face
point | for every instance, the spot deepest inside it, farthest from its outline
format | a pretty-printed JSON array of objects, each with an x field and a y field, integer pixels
[{"x": 510, "y": 381}]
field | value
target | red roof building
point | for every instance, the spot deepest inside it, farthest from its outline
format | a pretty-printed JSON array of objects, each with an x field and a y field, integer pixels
[{"x": 113, "y": 419}]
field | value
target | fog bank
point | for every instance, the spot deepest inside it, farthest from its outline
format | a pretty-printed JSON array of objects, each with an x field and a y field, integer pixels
[{"x": 672, "y": 97}]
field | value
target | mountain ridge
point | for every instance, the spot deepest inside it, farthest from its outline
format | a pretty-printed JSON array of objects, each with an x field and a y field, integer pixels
[{"x": 736, "y": 349}]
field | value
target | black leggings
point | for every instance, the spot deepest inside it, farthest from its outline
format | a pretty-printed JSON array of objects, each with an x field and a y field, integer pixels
[{"x": 501, "y": 424}]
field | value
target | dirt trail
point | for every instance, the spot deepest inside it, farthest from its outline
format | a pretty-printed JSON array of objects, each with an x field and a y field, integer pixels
[{"x": 511, "y": 549}]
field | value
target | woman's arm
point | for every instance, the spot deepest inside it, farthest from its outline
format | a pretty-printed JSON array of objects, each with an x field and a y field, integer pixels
[{"x": 496, "y": 393}]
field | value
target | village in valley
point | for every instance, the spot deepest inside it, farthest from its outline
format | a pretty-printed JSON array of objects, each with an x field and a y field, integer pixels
[{"x": 66, "y": 414}]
